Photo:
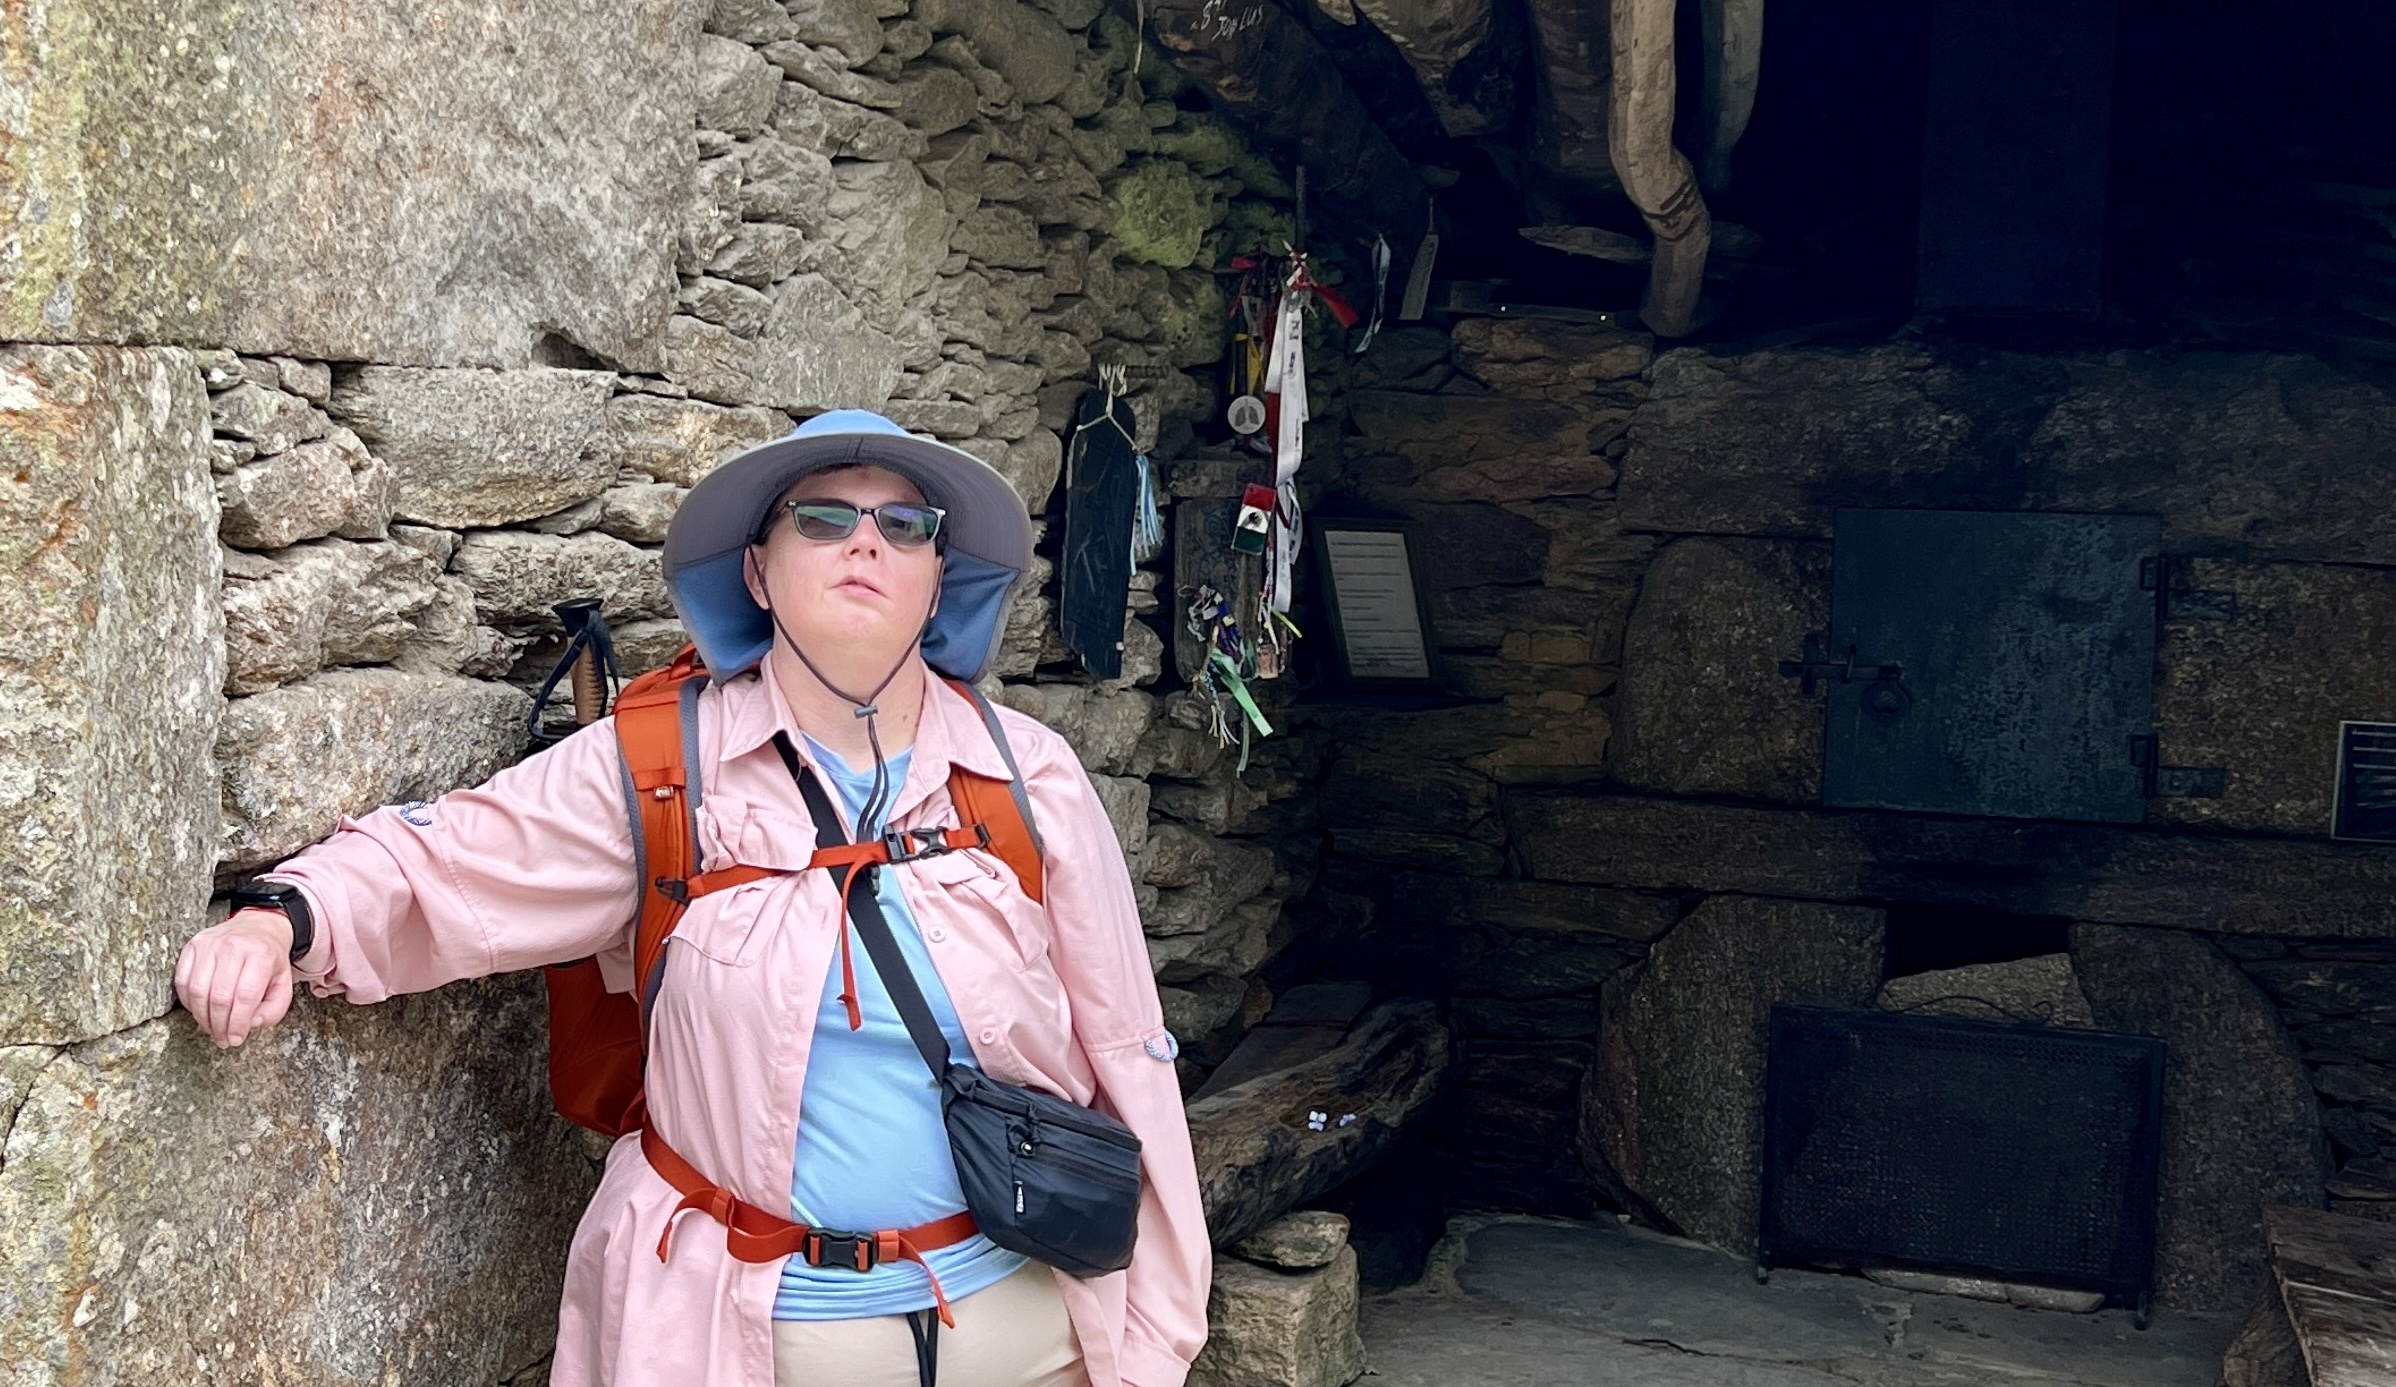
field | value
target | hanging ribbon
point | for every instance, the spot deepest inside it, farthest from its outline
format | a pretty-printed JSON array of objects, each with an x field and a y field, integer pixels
[
  {"x": 1285, "y": 392},
  {"x": 1148, "y": 520},
  {"x": 1372, "y": 329}
]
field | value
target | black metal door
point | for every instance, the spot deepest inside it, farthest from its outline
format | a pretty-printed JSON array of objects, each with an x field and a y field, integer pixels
[{"x": 1996, "y": 663}]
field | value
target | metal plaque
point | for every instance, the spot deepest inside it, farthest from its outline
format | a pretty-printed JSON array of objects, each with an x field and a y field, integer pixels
[{"x": 2366, "y": 782}]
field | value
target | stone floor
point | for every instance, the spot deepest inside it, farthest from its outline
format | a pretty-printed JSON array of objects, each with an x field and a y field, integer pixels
[{"x": 1545, "y": 1303}]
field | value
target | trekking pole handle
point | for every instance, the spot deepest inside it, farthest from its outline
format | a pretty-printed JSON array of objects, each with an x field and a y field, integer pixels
[{"x": 590, "y": 692}]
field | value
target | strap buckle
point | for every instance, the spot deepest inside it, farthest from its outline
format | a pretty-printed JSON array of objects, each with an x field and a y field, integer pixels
[
  {"x": 825, "y": 1248},
  {"x": 926, "y": 842}
]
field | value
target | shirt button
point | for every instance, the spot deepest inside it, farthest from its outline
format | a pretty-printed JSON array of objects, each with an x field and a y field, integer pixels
[
  {"x": 990, "y": 1036},
  {"x": 936, "y": 934}
]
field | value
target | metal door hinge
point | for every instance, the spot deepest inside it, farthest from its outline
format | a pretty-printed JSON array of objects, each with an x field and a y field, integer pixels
[
  {"x": 2175, "y": 782},
  {"x": 2175, "y": 600}
]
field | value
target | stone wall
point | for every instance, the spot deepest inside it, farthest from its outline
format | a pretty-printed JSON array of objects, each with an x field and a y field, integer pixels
[
  {"x": 1621, "y": 550},
  {"x": 461, "y": 305}
]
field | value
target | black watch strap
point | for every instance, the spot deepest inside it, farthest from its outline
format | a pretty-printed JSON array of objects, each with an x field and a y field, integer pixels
[{"x": 275, "y": 895}]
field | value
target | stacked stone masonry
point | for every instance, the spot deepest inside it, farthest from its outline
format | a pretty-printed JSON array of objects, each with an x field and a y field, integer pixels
[
  {"x": 302, "y": 564},
  {"x": 1612, "y": 857}
]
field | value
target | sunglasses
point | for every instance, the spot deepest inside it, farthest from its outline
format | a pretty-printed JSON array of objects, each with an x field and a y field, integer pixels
[{"x": 903, "y": 523}]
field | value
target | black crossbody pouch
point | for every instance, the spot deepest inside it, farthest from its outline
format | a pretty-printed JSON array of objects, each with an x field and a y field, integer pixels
[{"x": 1055, "y": 1181}]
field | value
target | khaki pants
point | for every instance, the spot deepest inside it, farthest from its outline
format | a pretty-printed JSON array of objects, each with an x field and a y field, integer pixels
[{"x": 1012, "y": 1334}]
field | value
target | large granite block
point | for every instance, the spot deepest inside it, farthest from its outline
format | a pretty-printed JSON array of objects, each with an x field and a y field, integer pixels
[
  {"x": 111, "y": 668},
  {"x": 354, "y": 1196},
  {"x": 481, "y": 448},
  {"x": 2261, "y": 694},
  {"x": 423, "y": 183},
  {"x": 1425, "y": 900},
  {"x": 1481, "y": 447},
  {"x": 299, "y": 757},
  {"x": 1704, "y": 708},
  {"x": 1675, "y": 1105},
  {"x": 2241, "y": 1128},
  {"x": 2176, "y": 879},
  {"x": 2242, "y": 454}
]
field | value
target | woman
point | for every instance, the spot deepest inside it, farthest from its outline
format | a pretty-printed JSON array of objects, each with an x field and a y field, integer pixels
[{"x": 816, "y": 575}]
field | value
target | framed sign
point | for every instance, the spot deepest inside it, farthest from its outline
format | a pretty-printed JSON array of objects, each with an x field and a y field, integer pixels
[{"x": 1373, "y": 595}]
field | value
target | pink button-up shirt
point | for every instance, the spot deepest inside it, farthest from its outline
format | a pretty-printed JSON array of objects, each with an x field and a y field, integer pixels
[{"x": 536, "y": 866}]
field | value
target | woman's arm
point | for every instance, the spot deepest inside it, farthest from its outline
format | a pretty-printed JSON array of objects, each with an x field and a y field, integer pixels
[
  {"x": 533, "y": 866},
  {"x": 1102, "y": 956}
]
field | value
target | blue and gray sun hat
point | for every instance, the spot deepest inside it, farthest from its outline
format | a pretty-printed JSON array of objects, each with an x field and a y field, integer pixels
[{"x": 989, "y": 539}]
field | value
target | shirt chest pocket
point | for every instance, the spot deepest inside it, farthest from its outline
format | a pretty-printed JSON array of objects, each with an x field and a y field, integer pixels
[
  {"x": 983, "y": 900},
  {"x": 733, "y": 925}
]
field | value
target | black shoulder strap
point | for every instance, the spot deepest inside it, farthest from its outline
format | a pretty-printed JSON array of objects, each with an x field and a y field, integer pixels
[{"x": 865, "y": 909}]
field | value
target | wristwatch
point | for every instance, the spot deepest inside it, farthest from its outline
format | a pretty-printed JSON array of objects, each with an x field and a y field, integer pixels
[{"x": 275, "y": 895}]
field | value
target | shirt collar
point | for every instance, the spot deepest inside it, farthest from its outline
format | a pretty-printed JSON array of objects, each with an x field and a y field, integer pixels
[{"x": 949, "y": 733}]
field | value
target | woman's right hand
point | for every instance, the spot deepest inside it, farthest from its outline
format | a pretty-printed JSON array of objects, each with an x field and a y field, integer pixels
[{"x": 236, "y": 977}]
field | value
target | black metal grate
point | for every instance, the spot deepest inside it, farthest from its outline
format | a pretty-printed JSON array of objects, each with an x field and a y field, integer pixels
[
  {"x": 2024, "y": 1153},
  {"x": 2367, "y": 781}
]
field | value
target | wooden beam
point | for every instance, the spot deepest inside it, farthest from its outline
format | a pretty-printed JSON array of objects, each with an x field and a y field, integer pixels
[
  {"x": 1258, "y": 1157},
  {"x": 2337, "y": 1278},
  {"x": 1654, "y": 172}
]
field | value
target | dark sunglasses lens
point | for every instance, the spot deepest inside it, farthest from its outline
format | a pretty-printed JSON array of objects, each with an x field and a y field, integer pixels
[
  {"x": 907, "y": 525},
  {"x": 825, "y": 519}
]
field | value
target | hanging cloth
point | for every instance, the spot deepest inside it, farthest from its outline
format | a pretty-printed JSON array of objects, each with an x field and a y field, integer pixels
[
  {"x": 1372, "y": 329},
  {"x": 1285, "y": 384},
  {"x": 1102, "y": 496},
  {"x": 1148, "y": 520},
  {"x": 1285, "y": 391}
]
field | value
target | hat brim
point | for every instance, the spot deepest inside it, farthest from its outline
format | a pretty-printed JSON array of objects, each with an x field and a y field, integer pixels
[{"x": 989, "y": 544}]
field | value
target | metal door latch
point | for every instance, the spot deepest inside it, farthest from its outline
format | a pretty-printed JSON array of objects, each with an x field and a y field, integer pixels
[
  {"x": 1846, "y": 670},
  {"x": 2167, "y": 578},
  {"x": 2175, "y": 782}
]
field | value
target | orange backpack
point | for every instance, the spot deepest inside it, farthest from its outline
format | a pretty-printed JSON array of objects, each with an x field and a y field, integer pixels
[{"x": 599, "y": 1038}]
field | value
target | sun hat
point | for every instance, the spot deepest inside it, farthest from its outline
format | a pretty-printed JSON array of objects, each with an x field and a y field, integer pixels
[{"x": 989, "y": 539}]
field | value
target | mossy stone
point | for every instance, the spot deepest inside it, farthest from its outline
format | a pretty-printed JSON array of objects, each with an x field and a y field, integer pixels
[{"x": 1167, "y": 211}]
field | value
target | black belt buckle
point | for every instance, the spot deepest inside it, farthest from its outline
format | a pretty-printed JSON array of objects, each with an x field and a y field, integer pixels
[{"x": 824, "y": 1248}]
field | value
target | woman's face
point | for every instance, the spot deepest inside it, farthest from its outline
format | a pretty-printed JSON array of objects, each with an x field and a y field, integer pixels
[{"x": 860, "y": 594}]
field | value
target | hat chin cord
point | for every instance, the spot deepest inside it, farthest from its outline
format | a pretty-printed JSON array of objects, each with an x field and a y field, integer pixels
[{"x": 878, "y": 799}]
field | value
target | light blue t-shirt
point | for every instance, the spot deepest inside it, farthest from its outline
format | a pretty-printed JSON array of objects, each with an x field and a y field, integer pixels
[{"x": 872, "y": 1150}]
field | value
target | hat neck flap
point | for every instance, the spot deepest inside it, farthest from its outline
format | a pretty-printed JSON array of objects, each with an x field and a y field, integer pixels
[{"x": 733, "y": 633}]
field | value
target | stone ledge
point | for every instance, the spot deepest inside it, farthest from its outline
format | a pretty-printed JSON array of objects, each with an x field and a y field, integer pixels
[
  {"x": 2175, "y": 879},
  {"x": 2253, "y": 455}
]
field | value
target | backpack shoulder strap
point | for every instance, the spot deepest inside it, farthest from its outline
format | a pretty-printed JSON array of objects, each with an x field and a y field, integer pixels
[
  {"x": 1006, "y": 753},
  {"x": 657, "y": 727},
  {"x": 1014, "y": 831}
]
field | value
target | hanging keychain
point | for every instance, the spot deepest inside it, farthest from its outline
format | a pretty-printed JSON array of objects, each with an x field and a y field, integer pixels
[{"x": 1230, "y": 657}]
